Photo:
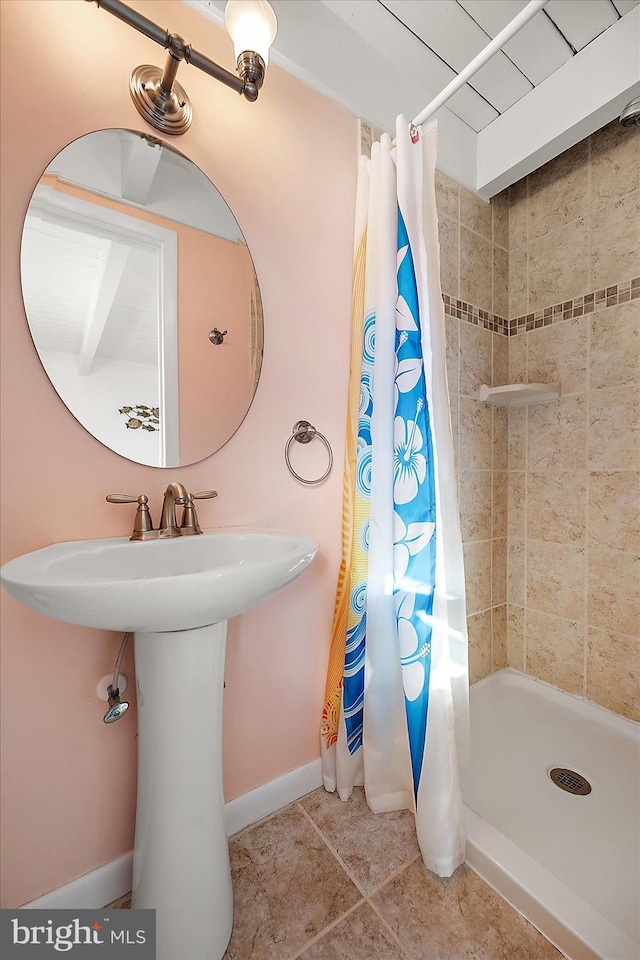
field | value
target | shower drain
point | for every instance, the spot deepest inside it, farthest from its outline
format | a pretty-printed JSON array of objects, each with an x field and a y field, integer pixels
[{"x": 570, "y": 781}]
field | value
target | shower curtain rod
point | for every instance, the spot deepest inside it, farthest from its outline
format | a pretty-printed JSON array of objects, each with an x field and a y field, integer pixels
[{"x": 518, "y": 22}]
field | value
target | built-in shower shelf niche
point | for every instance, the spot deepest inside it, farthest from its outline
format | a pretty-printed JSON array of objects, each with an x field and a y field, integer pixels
[{"x": 517, "y": 394}]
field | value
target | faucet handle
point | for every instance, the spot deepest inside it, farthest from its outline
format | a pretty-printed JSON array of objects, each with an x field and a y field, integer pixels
[
  {"x": 143, "y": 524},
  {"x": 190, "y": 525}
]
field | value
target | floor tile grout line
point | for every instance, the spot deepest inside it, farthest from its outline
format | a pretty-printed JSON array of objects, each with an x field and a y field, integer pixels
[
  {"x": 374, "y": 890},
  {"x": 387, "y": 926},
  {"x": 327, "y": 929},
  {"x": 334, "y": 852},
  {"x": 393, "y": 875}
]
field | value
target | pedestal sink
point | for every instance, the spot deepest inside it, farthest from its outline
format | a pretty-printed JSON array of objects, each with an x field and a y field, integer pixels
[{"x": 176, "y": 596}]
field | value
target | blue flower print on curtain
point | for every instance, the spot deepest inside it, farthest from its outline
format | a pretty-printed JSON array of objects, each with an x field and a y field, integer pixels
[
  {"x": 414, "y": 507},
  {"x": 353, "y": 683}
]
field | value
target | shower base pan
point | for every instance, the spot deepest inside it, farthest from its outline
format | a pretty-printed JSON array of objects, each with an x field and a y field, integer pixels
[{"x": 568, "y": 862}]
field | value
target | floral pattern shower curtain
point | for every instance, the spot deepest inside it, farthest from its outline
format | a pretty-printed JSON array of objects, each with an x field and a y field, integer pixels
[{"x": 396, "y": 709}]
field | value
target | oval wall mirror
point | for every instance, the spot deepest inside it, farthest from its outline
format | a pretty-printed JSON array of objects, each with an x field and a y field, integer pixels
[{"x": 141, "y": 298}]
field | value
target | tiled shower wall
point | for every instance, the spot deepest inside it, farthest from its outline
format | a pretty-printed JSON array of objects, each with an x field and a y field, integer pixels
[
  {"x": 474, "y": 267},
  {"x": 573, "y": 513},
  {"x": 550, "y": 516}
]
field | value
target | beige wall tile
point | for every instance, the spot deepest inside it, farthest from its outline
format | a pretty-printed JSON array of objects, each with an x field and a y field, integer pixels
[
  {"x": 614, "y": 510},
  {"x": 475, "y": 214},
  {"x": 614, "y": 415},
  {"x": 500, "y": 438},
  {"x": 479, "y": 630},
  {"x": 559, "y": 352},
  {"x": 366, "y": 138},
  {"x": 518, "y": 360},
  {"x": 555, "y": 579},
  {"x": 555, "y": 650},
  {"x": 449, "y": 259},
  {"x": 613, "y": 672},
  {"x": 559, "y": 191},
  {"x": 500, "y": 360},
  {"x": 518, "y": 214},
  {"x": 517, "y": 504},
  {"x": 556, "y": 434},
  {"x": 515, "y": 637},
  {"x": 614, "y": 590},
  {"x": 447, "y": 193},
  {"x": 498, "y": 573},
  {"x": 500, "y": 208},
  {"x": 558, "y": 265},
  {"x": 475, "y": 358},
  {"x": 615, "y": 163},
  {"x": 615, "y": 242},
  {"x": 500, "y": 504},
  {"x": 500, "y": 282},
  {"x": 518, "y": 283},
  {"x": 557, "y": 506},
  {"x": 517, "y": 437},
  {"x": 499, "y": 655},
  {"x": 477, "y": 570},
  {"x": 475, "y": 269},
  {"x": 452, "y": 334},
  {"x": 475, "y": 504},
  {"x": 454, "y": 412},
  {"x": 475, "y": 435},
  {"x": 515, "y": 572},
  {"x": 614, "y": 348}
]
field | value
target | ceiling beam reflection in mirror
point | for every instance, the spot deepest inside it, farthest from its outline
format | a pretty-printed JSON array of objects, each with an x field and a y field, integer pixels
[{"x": 160, "y": 99}]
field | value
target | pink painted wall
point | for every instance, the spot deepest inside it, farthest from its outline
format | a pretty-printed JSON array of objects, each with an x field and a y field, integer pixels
[
  {"x": 287, "y": 166},
  {"x": 215, "y": 278}
]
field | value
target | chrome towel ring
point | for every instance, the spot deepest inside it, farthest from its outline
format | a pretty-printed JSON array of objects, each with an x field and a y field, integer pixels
[{"x": 304, "y": 432}]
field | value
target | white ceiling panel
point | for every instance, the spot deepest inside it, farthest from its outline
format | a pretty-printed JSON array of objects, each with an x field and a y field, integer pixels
[
  {"x": 538, "y": 49},
  {"x": 375, "y": 24},
  {"x": 379, "y": 58},
  {"x": 581, "y": 21},
  {"x": 447, "y": 29}
]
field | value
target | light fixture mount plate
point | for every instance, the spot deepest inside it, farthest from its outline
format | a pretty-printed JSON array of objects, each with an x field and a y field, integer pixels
[{"x": 169, "y": 112}]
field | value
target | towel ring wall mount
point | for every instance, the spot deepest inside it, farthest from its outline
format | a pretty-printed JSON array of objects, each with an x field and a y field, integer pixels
[{"x": 304, "y": 432}]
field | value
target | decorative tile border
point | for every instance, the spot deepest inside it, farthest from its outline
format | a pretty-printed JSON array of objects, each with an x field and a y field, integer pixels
[
  {"x": 481, "y": 318},
  {"x": 590, "y": 303}
]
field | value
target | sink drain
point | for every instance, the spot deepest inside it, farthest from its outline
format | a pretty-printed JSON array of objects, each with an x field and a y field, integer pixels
[{"x": 570, "y": 781}]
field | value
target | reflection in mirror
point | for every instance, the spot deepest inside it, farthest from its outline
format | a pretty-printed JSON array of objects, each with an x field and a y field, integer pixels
[{"x": 130, "y": 257}]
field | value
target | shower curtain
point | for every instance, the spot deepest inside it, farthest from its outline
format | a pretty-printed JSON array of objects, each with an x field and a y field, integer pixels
[{"x": 396, "y": 707}]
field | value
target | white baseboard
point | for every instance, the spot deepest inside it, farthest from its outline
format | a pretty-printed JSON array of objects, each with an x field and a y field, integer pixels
[
  {"x": 112, "y": 880},
  {"x": 266, "y": 799},
  {"x": 90, "y": 891}
]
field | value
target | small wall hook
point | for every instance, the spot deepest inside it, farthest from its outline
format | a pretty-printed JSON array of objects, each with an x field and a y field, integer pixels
[{"x": 216, "y": 336}]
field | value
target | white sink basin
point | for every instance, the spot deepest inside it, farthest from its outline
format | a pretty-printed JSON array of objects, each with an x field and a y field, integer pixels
[{"x": 157, "y": 585}]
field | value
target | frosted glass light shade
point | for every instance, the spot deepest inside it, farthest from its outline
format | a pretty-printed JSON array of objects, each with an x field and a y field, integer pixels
[{"x": 252, "y": 25}]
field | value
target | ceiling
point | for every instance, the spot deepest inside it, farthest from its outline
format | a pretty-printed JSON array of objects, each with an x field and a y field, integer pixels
[{"x": 383, "y": 57}]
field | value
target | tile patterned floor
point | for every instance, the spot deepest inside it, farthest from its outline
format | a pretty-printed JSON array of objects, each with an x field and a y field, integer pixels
[{"x": 326, "y": 880}]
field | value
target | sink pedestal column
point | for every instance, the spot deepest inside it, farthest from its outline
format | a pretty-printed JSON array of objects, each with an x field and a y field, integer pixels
[{"x": 181, "y": 858}]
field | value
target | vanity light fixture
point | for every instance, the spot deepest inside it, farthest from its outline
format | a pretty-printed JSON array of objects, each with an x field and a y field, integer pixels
[{"x": 157, "y": 95}]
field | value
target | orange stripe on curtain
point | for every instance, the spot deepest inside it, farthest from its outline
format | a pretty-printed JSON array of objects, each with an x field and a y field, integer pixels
[{"x": 333, "y": 690}]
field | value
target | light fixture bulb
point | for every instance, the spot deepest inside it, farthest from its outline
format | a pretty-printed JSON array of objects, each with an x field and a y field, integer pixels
[{"x": 252, "y": 26}]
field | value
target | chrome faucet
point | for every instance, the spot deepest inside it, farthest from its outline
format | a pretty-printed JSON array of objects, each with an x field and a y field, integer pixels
[{"x": 175, "y": 494}]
